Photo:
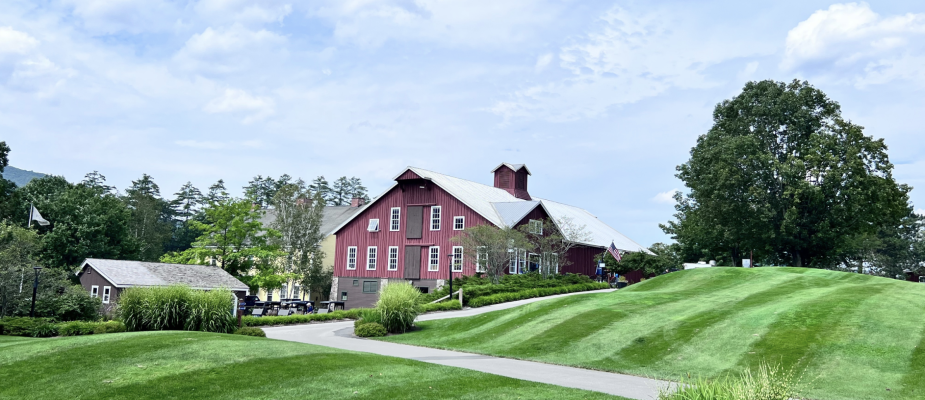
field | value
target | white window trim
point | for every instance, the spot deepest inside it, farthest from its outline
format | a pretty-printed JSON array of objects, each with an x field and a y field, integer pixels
[
  {"x": 390, "y": 258},
  {"x": 372, "y": 257},
  {"x": 354, "y": 248},
  {"x": 395, "y": 220},
  {"x": 478, "y": 260},
  {"x": 461, "y": 258},
  {"x": 536, "y": 227},
  {"x": 438, "y": 219},
  {"x": 371, "y": 227},
  {"x": 94, "y": 291},
  {"x": 431, "y": 267},
  {"x": 107, "y": 293},
  {"x": 460, "y": 218}
]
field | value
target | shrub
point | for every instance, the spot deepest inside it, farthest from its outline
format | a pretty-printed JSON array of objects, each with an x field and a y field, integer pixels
[
  {"x": 209, "y": 311},
  {"x": 20, "y": 326},
  {"x": 442, "y": 306},
  {"x": 72, "y": 304},
  {"x": 769, "y": 383},
  {"x": 44, "y": 329},
  {"x": 78, "y": 328},
  {"x": 541, "y": 292},
  {"x": 371, "y": 329},
  {"x": 368, "y": 315},
  {"x": 250, "y": 331},
  {"x": 353, "y": 313},
  {"x": 398, "y": 307},
  {"x": 108, "y": 327}
]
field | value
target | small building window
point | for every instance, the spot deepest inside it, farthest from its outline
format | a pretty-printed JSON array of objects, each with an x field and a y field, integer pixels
[
  {"x": 371, "y": 257},
  {"x": 352, "y": 257},
  {"x": 481, "y": 257},
  {"x": 434, "y": 264},
  {"x": 94, "y": 291},
  {"x": 393, "y": 258},
  {"x": 370, "y": 286},
  {"x": 106, "y": 293},
  {"x": 296, "y": 292},
  {"x": 284, "y": 292},
  {"x": 269, "y": 295},
  {"x": 518, "y": 261},
  {"x": 435, "y": 218},
  {"x": 343, "y": 296},
  {"x": 536, "y": 227},
  {"x": 395, "y": 219},
  {"x": 424, "y": 289},
  {"x": 373, "y": 225},
  {"x": 457, "y": 258},
  {"x": 459, "y": 223},
  {"x": 356, "y": 282}
]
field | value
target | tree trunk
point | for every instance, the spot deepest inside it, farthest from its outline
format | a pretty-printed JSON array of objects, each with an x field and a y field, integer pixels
[{"x": 797, "y": 259}]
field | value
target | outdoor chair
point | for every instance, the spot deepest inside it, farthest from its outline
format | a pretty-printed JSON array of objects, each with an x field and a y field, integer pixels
[
  {"x": 323, "y": 311},
  {"x": 257, "y": 312},
  {"x": 283, "y": 313}
]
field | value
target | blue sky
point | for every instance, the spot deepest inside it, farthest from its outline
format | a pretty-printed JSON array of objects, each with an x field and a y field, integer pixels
[{"x": 600, "y": 99}]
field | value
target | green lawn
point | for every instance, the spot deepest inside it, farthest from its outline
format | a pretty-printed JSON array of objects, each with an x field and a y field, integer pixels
[
  {"x": 850, "y": 336},
  {"x": 182, "y": 365}
]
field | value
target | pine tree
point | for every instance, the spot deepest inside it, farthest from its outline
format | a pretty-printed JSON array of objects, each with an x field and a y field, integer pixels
[
  {"x": 357, "y": 190},
  {"x": 340, "y": 191},
  {"x": 320, "y": 185},
  {"x": 150, "y": 222},
  {"x": 217, "y": 192},
  {"x": 186, "y": 202},
  {"x": 97, "y": 181}
]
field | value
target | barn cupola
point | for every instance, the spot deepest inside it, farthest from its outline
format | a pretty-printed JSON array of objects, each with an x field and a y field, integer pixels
[{"x": 513, "y": 178}]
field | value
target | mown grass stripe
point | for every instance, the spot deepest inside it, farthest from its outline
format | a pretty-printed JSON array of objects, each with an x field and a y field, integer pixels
[
  {"x": 913, "y": 386},
  {"x": 657, "y": 345},
  {"x": 577, "y": 328},
  {"x": 792, "y": 338}
]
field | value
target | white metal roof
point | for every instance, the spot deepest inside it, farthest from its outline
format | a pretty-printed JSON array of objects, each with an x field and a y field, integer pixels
[{"x": 503, "y": 209}]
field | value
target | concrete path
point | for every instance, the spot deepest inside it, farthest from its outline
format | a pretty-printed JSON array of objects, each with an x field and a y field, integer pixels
[{"x": 340, "y": 335}]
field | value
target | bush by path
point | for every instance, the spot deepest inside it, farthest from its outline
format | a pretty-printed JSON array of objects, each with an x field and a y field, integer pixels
[
  {"x": 44, "y": 327},
  {"x": 353, "y": 313},
  {"x": 442, "y": 306},
  {"x": 531, "y": 293},
  {"x": 177, "y": 307}
]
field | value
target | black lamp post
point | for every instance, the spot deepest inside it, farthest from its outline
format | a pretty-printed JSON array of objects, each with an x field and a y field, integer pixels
[
  {"x": 452, "y": 258},
  {"x": 35, "y": 289}
]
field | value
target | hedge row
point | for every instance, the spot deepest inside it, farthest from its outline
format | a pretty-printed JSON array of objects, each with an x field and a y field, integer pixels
[
  {"x": 541, "y": 292},
  {"x": 301, "y": 319},
  {"x": 474, "y": 287},
  {"x": 444, "y": 306},
  {"x": 44, "y": 327}
]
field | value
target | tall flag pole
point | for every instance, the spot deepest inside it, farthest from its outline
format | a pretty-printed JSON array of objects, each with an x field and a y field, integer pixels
[{"x": 615, "y": 252}]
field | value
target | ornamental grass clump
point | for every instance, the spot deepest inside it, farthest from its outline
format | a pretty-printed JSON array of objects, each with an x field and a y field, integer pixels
[
  {"x": 209, "y": 311},
  {"x": 398, "y": 307},
  {"x": 770, "y": 382}
]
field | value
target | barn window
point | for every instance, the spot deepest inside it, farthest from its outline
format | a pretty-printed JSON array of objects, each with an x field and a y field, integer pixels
[
  {"x": 373, "y": 225},
  {"x": 459, "y": 223},
  {"x": 434, "y": 264},
  {"x": 393, "y": 258},
  {"x": 371, "y": 257},
  {"x": 395, "y": 219},
  {"x": 435, "y": 218},
  {"x": 536, "y": 227},
  {"x": 481, "y": 257},
  {"x": 370, "y": 286},
  {"x": 94, "y": 291},
  {"x": 457, "y": 258},
  {"x": 352, "y": 257}
]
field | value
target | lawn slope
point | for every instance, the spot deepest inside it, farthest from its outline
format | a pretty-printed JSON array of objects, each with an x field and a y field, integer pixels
[
  {"x": 850, "y": 336},
  {"x": 186, "y": 365}
]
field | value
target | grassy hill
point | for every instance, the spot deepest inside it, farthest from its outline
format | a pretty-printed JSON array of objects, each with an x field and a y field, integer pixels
[
  {"x": 20, "y": 176},
  {"x": 183, "y": 365},
  {"x": 850, "y": 336}
]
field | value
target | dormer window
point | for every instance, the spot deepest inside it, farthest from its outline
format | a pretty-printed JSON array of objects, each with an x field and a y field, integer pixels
[{"x": 373, "y": 225}]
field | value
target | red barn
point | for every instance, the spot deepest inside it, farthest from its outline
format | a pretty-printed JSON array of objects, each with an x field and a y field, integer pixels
[{"x": 404, "y": 234}]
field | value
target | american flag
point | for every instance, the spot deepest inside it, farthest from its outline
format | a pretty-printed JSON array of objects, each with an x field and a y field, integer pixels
[{"x": 615, "y": 252}]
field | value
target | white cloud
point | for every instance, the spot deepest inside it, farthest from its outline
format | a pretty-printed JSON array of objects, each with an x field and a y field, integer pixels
[
  {"x": 133, "y": 16},
  {"x": 489, "y": 23},
  {"x": 234, "y": 49},
  {"x": 853, "y": 41},
  {"x": 627, "y": 58},
  {"x": 15, "y": 42},
  {"x": 243, "y": 11},
  {"x": 542, "y": 62},
  {"x": 201, "y": 144},
  {"x": 236, "y": 101},
  {"x": 665, "y": 197}
]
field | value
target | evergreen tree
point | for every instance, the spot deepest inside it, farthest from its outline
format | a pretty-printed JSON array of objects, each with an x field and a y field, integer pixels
[
  {"x": 186, "y": 202},
  {"x": 150, "y": 223},
  {"x": 340, "y": 191},
  {"x": 97, "y": 181},
  {"x": 357, "y": 190},
  {"x": 217, "y": 192},
  {"x": 320, "y": 185}
]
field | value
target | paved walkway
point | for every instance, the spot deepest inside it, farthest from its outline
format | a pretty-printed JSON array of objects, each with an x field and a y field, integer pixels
[{"x": 340, "y": 335}]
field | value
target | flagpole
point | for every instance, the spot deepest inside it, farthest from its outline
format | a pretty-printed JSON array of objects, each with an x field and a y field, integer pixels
[{"x": 29, "y": 222}]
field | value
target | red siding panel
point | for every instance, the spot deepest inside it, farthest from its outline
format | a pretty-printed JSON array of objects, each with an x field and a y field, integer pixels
[{"x": 407, "y": 193}]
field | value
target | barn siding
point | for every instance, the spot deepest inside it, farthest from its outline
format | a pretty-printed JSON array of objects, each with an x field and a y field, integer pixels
[{"x": 407, "y": 193}]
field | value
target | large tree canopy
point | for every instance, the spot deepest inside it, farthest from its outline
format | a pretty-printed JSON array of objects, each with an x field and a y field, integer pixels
[{"x": 781, "y": 173}]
